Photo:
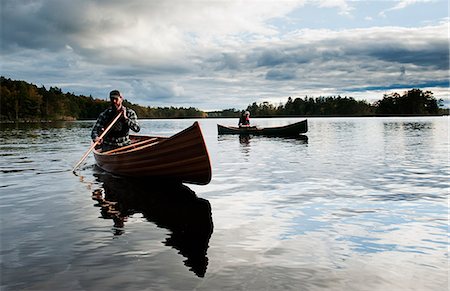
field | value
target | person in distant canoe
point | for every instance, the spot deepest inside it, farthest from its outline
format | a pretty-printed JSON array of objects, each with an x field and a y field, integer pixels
[
  {"x": 118, "y": 134},
  {"x": 244, "y": 120}
]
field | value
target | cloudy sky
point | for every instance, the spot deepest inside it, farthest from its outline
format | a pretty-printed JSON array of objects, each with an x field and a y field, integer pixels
[{"x": 225, "y": 53}]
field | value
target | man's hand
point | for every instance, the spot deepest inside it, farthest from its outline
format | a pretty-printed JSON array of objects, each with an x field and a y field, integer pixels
[
  {"x": 124, "y": 114},
  {"x": 98, "y": 140}
]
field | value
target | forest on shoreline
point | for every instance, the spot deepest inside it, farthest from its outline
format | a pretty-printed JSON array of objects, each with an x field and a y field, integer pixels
[{"x": 21, "y": 102}]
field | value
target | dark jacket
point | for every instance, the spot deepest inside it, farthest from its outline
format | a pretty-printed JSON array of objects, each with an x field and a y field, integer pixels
[
  {"x": 244, "y": 120},
  {"x": 118, "y": 134}
]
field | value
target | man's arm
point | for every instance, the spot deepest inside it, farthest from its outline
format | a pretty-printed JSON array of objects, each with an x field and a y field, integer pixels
[
  {"x": 132, "y": 120},
  {"x": 99, "y": 126}
]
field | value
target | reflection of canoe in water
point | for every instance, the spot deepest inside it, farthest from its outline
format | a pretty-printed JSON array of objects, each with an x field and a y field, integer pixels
[
  {"x": 287, "y": 130},
  {"x": 182, "y": 156},
  {"x": 169, "y": 205}
]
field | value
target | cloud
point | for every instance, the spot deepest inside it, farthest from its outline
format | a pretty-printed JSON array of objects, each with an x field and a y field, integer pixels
[
  {"x": 217, "y": 55},
  {"x": 405, "y": 3},
  {"x": 402, "y": 4},
  {"x": 126, "y": 29},
  {"x": 342, "y": 5},
  {"x": 281, "y": 75}
]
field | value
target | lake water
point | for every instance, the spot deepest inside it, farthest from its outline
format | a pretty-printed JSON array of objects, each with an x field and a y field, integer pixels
[{"x": 362, "y": 204}]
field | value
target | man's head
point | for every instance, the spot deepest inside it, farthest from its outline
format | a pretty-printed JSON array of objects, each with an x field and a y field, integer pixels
[{"x": 116, "y": 99}]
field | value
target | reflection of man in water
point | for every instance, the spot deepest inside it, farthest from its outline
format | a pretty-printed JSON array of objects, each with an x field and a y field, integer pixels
[
  {"x": 118, "y": 134},
  {"x": 170, "y": 205}
]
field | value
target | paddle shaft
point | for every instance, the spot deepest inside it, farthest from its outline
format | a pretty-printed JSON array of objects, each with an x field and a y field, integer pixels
[{"x": 96, "y": 142}]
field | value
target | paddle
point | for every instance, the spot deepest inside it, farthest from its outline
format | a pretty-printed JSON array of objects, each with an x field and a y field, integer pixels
[{"x": 95, "y": 143}]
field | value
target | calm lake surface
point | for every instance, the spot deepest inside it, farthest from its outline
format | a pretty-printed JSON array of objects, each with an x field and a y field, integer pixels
[{"x": 362, "y": 204}]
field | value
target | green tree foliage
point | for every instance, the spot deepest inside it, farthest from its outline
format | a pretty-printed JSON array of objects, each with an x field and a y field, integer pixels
[
  {"x": 230, "y": 112},
  {"x": 21, "y": 101},
  {"x": 412, "y": 102},
  {"x": 336, "y": 106}
]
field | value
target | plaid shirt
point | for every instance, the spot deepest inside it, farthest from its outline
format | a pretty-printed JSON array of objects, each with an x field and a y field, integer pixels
[{"x": 118, "y": 134}]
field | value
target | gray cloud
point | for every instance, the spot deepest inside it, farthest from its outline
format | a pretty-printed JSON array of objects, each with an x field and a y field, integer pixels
[
  {"x": 434, "y": 56},
  {"x": 281, "y": 75},
  {"x": 222, "y": 55},
  {"x": 41, "y": 24}
]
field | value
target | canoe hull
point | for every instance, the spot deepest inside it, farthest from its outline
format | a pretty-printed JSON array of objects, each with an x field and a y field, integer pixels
[
  {"x": 294, "y": 129},
  {"x": 182, "y": 157}
]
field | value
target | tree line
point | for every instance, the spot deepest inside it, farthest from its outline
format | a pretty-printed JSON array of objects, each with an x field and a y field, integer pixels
[
  {"x": 412, "y": 102},
  {"x": 21, "y": 101}
]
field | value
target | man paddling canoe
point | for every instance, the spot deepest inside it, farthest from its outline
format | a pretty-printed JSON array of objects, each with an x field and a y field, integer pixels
[{"x": 118, "y": 134}]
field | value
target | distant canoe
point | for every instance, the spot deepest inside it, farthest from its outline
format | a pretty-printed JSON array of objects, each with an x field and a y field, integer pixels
[
  {"x": 293, "y": 129},
  {"x": 182, "y": 157}
]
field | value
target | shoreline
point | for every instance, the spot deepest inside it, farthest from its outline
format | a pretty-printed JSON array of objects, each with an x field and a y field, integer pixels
[{"x": 229, "y": 117}]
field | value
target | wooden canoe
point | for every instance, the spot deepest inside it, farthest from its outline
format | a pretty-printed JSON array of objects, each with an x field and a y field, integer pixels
[
  {"x": 181, "y": 157},
  {"x": 293, "y": 129}
]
